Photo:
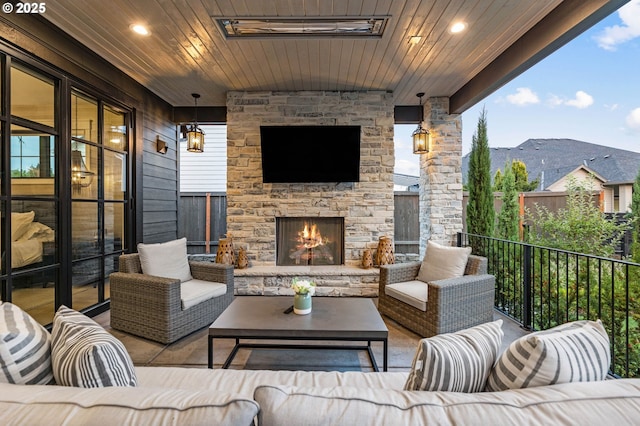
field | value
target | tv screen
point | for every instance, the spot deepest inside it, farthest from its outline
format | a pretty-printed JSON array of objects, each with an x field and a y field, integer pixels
[{"x": 299, "y": 154}]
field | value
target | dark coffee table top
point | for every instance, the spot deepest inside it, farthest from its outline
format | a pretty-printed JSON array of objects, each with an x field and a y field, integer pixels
[{"x": 331, "y": 318}]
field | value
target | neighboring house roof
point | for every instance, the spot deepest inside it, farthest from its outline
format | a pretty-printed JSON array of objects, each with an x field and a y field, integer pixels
[
  {"x": 549, "y": 160},
  {"x": 410, "y": 182}
]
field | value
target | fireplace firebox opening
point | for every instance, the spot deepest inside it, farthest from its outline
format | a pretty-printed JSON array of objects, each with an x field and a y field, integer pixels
[{"x": 309, "y": 241}]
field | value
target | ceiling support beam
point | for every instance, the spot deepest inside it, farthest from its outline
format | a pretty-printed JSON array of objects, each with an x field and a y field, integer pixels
[{"x": 564, "y": 23}]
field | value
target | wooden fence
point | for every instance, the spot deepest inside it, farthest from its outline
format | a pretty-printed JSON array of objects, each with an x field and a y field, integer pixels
[
  {"x": 193, "y": 221},
  {"x": 193, "y": 218},
  {"x": 203, "y": 220}
]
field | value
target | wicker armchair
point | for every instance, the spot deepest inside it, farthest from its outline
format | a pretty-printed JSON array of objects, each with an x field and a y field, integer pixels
[
  {"x": 151, "y": 307},
  {"x": 452, "y": 304}
]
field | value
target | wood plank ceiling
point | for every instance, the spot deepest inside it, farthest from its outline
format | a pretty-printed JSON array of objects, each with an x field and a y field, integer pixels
[{"x": 187, "y": 52}]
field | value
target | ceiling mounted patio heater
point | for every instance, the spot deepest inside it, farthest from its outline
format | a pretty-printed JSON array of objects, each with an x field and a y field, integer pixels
[
  {"x": 421, "y": 136},
  {"x": 195, "y": 136}
]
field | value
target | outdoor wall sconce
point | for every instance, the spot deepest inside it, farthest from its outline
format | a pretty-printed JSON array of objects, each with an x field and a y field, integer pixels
[
  {"x": 195, "y": 136},
  {"x": 421, "y": 136},
  {"x": 161, "y": 146}
]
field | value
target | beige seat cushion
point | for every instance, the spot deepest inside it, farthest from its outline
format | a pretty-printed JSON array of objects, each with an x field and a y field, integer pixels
[
  {"x": 441, "y": 262},
  {"x": 59, "y": 405},
  {"x": 244, "y": 382},
  {"x": 412, "y": 293},
  {"x": 610, "y": 402},
  {"x": 193, "y": 292},
  {"x": 168, "y": 260}
]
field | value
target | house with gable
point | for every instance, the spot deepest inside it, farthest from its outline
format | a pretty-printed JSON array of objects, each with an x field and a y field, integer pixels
[{"x": 554, "y": 161}]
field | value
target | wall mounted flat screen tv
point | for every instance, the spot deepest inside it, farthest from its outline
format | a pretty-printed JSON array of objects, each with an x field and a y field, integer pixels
[{"x": 302, "y": 154}]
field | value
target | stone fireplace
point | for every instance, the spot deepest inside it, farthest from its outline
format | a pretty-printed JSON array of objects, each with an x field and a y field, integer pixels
[
  {"x": 254, "y": 207},
  {"x": 309, "y": 241}
]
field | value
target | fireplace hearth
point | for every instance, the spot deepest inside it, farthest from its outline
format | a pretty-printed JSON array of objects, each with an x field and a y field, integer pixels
[{"x": 309, "y": 241}]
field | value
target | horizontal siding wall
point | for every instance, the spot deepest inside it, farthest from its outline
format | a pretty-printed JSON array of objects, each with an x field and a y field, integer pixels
[
  {"x": 159, "y": 178},
  {"x": 205, "y": 171}
]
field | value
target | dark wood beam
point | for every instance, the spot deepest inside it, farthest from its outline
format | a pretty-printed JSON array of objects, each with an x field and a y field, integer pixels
[
  {"x": 407, "y": 114},
  {"x": 563, "y": 24},
  {"x": 211, "y": 114}
]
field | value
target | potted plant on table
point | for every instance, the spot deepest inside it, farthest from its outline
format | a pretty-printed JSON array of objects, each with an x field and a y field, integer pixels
[{"x": 303, "y": 290}]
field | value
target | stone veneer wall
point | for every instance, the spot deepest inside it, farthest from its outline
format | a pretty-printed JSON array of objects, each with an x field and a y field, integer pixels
[
  {"x": 252, "y": 206},
  {"x": 441, "y": 176}
]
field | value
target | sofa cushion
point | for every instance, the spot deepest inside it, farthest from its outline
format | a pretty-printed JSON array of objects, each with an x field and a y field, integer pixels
[
  {"x": 58, "y": 405},
  {"x": 412, "y": 293},
  {"x": 25, "y": 348},
  {"x": 244, "y": 382},
  {"x": 613, "y": 402},
  {"x": 441, "y": 262},
  {"x": 193, "y": 292},
  {"x": 573, "y": 352},
  {"x": 456, "y": 362},
  {"x": 168, "y": 260},
  {"x": 85, "y": 355}
]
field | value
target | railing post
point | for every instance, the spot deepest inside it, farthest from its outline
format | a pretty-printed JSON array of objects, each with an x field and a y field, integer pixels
[
  {"x": 526, "y": 291},
  {"x": 459, "y": 239}
]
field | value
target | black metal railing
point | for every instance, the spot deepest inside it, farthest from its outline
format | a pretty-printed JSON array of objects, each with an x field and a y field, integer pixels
[{"x": 542, "y": 287}]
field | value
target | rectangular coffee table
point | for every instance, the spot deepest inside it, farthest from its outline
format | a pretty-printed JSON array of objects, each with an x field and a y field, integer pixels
[{"x": 331, "y": 319}]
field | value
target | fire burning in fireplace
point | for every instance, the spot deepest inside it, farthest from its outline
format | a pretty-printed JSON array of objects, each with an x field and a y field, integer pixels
[
  {"x": 310, "y": 241},
  {"x": 310, "y": 236},
  {"x": 311, "y": 245}
]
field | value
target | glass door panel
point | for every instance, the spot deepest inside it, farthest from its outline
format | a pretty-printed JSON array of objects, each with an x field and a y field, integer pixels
[{"x": 32, "y": 96}]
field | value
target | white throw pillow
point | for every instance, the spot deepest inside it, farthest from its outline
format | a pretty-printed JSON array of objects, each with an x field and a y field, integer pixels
[
  {"x": 456, "y": 362},
  {"x": 85, "y": 355},
  {"x": 574, "y": 352},
  {"x": 25, "y": 348},
  {"x": 20, "y": 223},
  {"x": 441, "y": 262},
  {"x": 168, "y": 260}
]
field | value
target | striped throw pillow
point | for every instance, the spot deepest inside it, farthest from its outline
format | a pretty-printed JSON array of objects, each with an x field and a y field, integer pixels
[
  {"x": 25, "y": 348},
  {"x": 85, "y": 355},
  {"x": 573, "y": 352},
  {"x": 456, "y": 362}
]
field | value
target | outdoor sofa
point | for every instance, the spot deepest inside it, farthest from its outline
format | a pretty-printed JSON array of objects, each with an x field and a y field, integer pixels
[{"x": 197, "y": 396}]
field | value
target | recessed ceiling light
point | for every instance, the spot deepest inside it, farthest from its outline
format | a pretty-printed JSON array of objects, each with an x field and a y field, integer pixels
[
  {"x": 458, "y": 27},
  {"x": 415, "y": 39},
  {"x": 139, "y": 29}
]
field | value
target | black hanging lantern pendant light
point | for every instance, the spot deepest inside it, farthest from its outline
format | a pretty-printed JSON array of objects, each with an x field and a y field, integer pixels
[
  {"x": 195, "y": 136},
  {"x": 421, "y": 136}
]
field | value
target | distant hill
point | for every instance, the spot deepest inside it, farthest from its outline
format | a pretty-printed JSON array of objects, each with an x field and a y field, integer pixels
[{"x": 551, "y": 159}]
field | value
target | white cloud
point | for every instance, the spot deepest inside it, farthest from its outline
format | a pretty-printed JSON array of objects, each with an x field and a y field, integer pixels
[
  {"x": 581, "y": 101},
  {"x": 523, "y": 96},
  {"x": 554, "y": 101},
  {"x": 633, "y": 119},
  {"x": 407, "y": 167},
  {"x": 629, "y": 14},
  {"x": 611, "y": 107}
]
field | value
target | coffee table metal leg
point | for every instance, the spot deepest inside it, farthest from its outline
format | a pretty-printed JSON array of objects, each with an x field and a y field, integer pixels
[
  {"x": 210, "y": 360},
  {"x": 385, "y": 353}
]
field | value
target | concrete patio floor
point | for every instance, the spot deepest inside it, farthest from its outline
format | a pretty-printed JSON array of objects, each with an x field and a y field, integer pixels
[{"x": 191, "y": 351}]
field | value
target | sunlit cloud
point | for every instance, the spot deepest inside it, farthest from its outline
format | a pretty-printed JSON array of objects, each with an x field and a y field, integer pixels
[
  {"x": 523, "y": 96},
  {"x": 633, "y": 119},
  {"x": 612, "y": 36},
  {"x": 407, "y": 167},
  {"x": 581, "y": 101}
]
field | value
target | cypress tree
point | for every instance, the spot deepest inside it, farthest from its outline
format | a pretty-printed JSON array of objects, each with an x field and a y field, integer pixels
[
  {"x": 480, "y": 211},
  {"x": 508, "y": 223}
]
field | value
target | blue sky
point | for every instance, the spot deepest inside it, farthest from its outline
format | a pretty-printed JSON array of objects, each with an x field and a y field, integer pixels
[{"x": 588, "y": 90}]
